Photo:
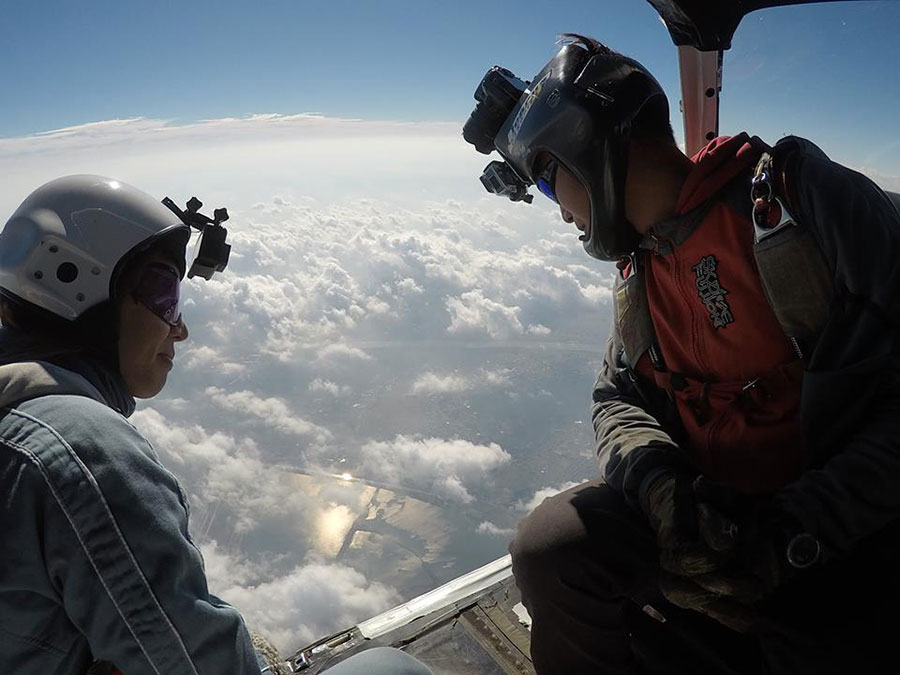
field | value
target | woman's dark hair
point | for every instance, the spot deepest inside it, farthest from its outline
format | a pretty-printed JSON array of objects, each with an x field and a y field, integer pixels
[{"x": 34, "y": 334}]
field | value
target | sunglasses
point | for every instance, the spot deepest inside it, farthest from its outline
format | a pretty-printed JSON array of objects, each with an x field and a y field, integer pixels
[
  {"x": 159, "y": 290},
  {"x": 546, "y": 181}
]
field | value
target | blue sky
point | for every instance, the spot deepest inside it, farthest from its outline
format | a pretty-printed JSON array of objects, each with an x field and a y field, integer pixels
[{"x": 822, "y": 70}]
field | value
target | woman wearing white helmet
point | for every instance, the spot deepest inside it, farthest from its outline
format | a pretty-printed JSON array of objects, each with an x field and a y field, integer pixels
[{"x": 97, "y": 563}]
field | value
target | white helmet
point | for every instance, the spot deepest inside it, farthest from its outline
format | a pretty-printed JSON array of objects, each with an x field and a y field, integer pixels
[{"x": 62, "y": 246}]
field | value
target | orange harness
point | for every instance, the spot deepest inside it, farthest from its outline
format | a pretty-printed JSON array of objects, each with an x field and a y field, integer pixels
[{"x": 698, "y": 318}]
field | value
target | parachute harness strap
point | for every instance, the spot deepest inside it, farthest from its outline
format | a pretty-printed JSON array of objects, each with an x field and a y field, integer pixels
[{"x": 770, "y": 214}]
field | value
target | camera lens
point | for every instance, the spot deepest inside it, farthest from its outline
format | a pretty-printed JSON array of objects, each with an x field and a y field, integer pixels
[{"x": 497, "y": 96}]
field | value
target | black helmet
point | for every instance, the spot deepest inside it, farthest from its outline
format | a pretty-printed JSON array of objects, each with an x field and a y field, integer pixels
[{"x": 579, "y": 109}]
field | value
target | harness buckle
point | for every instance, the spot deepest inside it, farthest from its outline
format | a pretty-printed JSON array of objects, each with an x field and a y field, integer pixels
[
  {"x": 755, "y": 385},
  {"x": 770, "y": 214},
  {"x": 752, "y": 384}
]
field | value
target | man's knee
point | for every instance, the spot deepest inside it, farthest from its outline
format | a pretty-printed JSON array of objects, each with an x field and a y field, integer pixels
[
  {"x": 587, "y": 531},
  {"x": 552, "y": 534}
]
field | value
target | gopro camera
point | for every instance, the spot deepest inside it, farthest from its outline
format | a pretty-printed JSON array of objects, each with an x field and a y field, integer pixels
[{"x": 499, "y": 178}]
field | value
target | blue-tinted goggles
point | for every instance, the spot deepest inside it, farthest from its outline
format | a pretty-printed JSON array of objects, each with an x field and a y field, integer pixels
[
  {"x": 546, "y": 181},
  {"x": 159, "y": 290}
]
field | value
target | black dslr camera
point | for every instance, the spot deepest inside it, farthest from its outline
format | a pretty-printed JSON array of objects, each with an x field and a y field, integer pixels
[{"x": 497, "y": 96}]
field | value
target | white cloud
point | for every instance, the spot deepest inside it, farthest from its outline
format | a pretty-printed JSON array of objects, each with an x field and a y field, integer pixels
[
  {"x": 446, "y": 468},
  {"x": 544, "y": 492},
  {"x": 205, "y": 358},
  {"x": 473, "y": 312},
  {"x": 319, "y": 385},
  {"x": 431, "y": 383},
  {"x": 488, "y": 527},
  {"x": 434, "y": 383},
  {"x": 337, "y": 353},
  {"x": 230, "y": 486},
  {"x": 293, "y": 609},
  {"x": 497, "y": 378},
  {"x": 274, "y": 412}
]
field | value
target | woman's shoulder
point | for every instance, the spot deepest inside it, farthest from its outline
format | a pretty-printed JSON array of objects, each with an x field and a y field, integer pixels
[{"x": 78, "y": 425}]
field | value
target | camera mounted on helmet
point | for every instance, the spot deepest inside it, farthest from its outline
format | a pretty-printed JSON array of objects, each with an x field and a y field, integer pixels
[
  {"x": 579, "y": 109},
  {"x": 214, "y": 252},
  {"x": 500, "y": 179}
]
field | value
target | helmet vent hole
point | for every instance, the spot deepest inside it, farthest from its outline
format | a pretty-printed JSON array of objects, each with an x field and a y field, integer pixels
[
  {"x": 80, "y": 297},
  {"x": 54, "y": 248},
  {"x": 95, "y": 271},
  {"x": 38, "y": 275},
  {"x": 67, "y": 272}
]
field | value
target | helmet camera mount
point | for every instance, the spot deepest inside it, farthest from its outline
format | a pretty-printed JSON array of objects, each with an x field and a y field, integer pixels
[
  {"x": 214, "y": 251},
  {"x": 496, "y": 96},
  {"x": 501, "y": 179}
]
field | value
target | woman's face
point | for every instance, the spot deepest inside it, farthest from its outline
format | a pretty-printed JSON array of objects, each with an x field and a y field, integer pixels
[{"x": 146, "y": 341}]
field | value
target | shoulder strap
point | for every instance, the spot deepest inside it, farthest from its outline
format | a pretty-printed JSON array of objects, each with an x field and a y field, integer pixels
[
  {"x": 791, "y": 266},
  {"x": 631, "y": 314}
]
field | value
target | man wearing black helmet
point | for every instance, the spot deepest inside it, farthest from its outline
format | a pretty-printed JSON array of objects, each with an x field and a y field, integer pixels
[{"x": 745, "y": 417}]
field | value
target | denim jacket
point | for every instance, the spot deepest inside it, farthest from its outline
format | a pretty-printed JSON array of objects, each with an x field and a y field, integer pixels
[{"x": 96, "y": 560}]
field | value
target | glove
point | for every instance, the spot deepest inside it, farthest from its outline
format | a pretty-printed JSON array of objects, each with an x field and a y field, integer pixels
[
  {"x": 772, "y": 549},
  {"x": 685, "y": 592},
  {"x": 694, "y": 537}
]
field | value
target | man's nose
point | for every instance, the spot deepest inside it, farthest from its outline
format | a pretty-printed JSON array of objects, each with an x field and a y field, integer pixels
[
  {"x": 180, "y": 332},
  {"x": 566, "y": 215}
]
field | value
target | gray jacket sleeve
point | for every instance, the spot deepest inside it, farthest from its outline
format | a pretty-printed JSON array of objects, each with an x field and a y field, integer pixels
[
  {"x": 118, "y": 552},
  {"x": 852, "y": 384},
  {"x": 632, "y": 444}
]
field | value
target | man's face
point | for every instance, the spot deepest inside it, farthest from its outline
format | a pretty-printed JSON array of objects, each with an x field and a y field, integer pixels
[{"x": 571, "y": 195}]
